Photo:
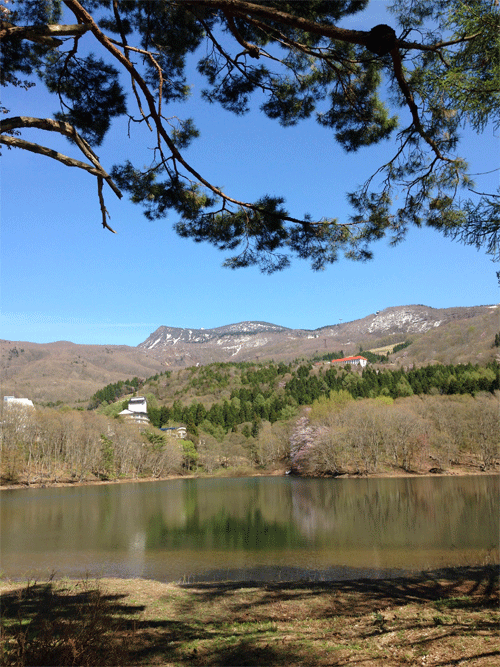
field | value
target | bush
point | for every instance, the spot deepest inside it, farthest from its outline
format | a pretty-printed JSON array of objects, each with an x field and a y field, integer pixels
[{"x": 45, "y": 624}]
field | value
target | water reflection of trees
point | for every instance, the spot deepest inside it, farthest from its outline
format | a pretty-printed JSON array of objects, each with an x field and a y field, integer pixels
[
  {"x": 405, "y": 511},
  {"x": 266, "y": 514}
]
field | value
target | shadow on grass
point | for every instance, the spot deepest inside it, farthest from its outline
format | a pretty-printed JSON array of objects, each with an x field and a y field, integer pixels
[
  {"x": 230, "y": 623},
  {"x": 470, "y": 589},
  {"x": 481, "y": 582},
  {"x": 52, "y": 624},
  {"x": 79, "y": 625}
]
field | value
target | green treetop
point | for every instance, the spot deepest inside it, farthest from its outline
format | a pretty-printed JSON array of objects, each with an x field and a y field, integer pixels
[{"x": 417, "y": 82}]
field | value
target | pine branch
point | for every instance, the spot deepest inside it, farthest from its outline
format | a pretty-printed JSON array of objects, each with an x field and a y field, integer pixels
[
  {"x": 9, "y": 124},
  {"x": 43, "y": 34}
]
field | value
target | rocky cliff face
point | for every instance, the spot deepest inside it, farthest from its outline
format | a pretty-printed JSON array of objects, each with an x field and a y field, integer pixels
[
  {"x": 418, "y": 319},
  {"x": 231, "y": 342},
  {"x": 170, "y": 336}
]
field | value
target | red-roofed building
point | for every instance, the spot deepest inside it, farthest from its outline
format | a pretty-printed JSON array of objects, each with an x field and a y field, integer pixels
[{"x": 355, "y": 361}]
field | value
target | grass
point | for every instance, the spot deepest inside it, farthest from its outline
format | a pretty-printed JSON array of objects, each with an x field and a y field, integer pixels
[
  {"x": 385, "y": 348},
  {"x": 60, "y": 624},
  {"x": 443, "y": 618}
]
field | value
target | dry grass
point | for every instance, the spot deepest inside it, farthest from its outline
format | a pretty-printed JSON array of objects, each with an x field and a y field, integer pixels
[
  {"x": 386, "y": 348},
  {"x": 62, "y": 624},
  {"x": 446, "y": 618}
]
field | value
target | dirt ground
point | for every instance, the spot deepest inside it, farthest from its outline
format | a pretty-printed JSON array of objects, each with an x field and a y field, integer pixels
[{"x": 444, "y": 618}]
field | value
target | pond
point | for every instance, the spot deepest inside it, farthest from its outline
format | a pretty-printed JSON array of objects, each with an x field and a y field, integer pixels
[{"x": 261, "y": 529}]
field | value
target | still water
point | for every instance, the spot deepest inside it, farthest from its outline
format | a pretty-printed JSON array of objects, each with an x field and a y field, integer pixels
[{"x": 263, "y": 529}]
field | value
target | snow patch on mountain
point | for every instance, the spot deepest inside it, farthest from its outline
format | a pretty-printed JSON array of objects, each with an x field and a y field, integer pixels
[{"x": 410, "y": 321}]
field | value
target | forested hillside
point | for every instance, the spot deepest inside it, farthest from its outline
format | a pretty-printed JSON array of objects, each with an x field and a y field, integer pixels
[
  {"x": 250, "y": 393},
  {"x": 312, "y": 418}
]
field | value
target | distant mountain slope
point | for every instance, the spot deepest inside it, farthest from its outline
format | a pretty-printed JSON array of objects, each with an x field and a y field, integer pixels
[
  {"x": 455, "y": 341},
  {"x": 168, "y": 336},
  {"x": 69, "y": 372},
  {"x": 260, "y": 340}
]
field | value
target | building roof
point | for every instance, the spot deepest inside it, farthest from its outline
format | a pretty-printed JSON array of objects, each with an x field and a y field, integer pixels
[
  {"x": 349, "y": 359},
  {"x": 138, "y": 404}
]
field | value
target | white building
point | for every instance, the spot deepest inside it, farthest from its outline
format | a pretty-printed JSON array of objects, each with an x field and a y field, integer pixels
[
  {"x": 137, "y": 410},
  {"x": 355, "y": 361},
  {"x": 17, "y": 412},
  {"x": 175, "y": 431},
  {"x": 11, "y": 401}
]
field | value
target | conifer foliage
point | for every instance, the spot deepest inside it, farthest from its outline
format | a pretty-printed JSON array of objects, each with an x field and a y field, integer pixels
[{"x": 417, "y": 83}]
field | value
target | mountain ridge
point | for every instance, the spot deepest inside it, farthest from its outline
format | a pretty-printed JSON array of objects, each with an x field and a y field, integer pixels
[
  {"x": 72, "y": 372},
  {"x": 234, "y": 341}
]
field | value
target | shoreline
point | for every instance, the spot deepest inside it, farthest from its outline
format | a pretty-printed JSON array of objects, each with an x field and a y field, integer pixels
[
  {"x": 447, "y": 573},
  {"x": 461, "y": 470}
]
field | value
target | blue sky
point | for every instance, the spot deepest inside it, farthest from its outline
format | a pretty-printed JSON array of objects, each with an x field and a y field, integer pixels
[{"x": 65, "y": 278}]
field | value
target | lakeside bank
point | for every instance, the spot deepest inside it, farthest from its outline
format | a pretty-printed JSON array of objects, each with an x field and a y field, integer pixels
[
  {"x": 459, "y": 470},
  {"x": 446, "y": 617}
]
